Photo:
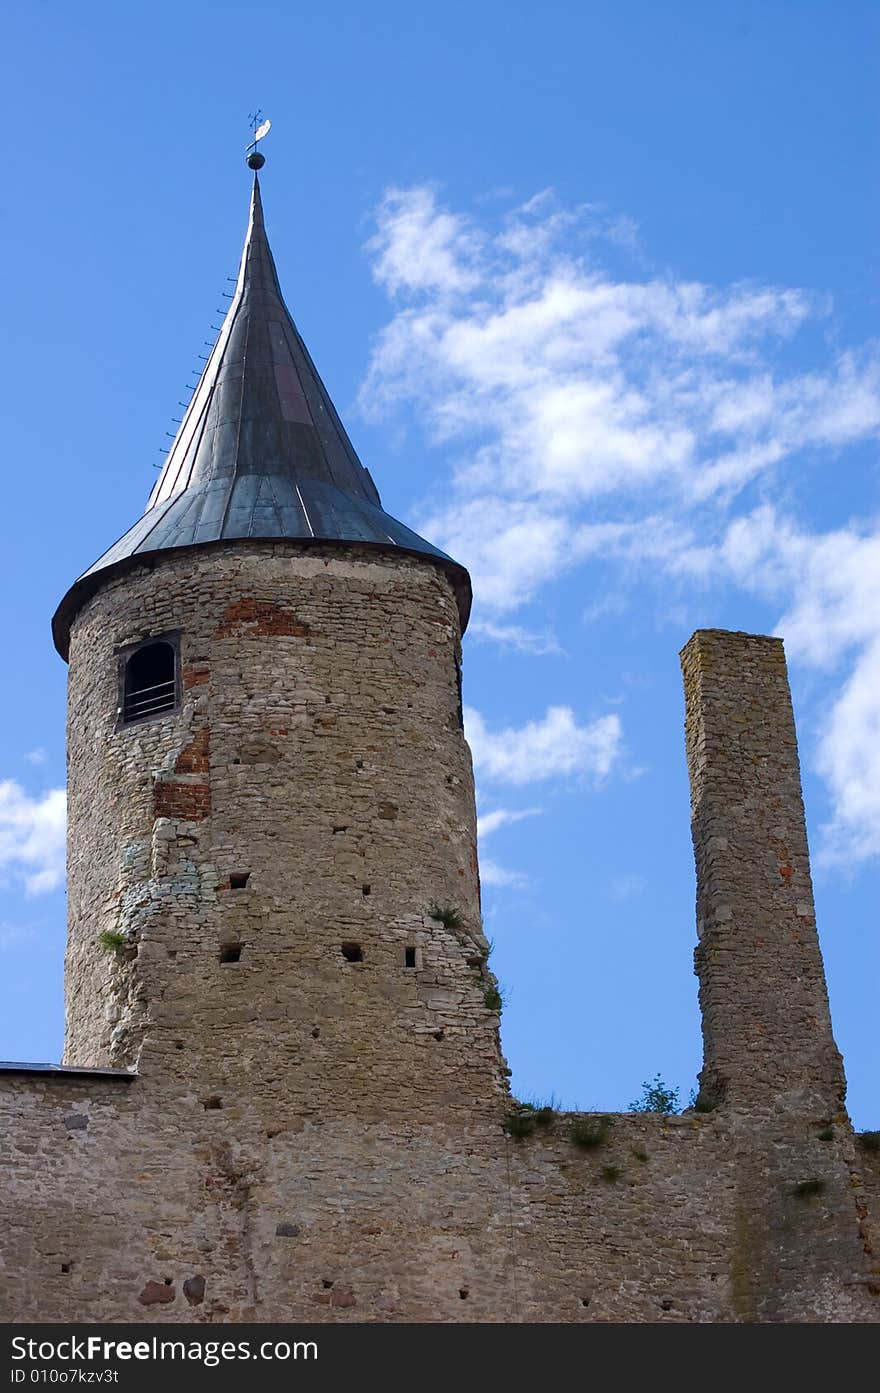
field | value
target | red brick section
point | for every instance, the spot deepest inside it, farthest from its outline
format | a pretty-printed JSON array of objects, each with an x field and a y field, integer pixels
[
  {"x": 156, "y": 1293},
  {"x": 260, "y": 618},
  {"x": 189, "y": 802},
  {"x": 194, "y": 675},
  {"x": 194, "y": 758}
]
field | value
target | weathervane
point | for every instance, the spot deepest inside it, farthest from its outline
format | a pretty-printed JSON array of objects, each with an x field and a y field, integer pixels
[{"x": 260, "y": 128}]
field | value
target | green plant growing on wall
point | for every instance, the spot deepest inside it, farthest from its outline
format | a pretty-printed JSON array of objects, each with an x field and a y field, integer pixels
[
  {"x": 868, "y": 1141},
  {"x": 113, "y": 942},
  {"x": 656, "y": 1096},
  {"x": 449, "y": 915},
  {"x": 611, "y": 1173},
  {"x": 519, "y": 1124},
  {"x": 492, "y": 999},
  {"x": 703, "y": 1100},
  {"x": 589, "y": 1132},
  {"x": 826, "y": 1134},
  {"x": 803, "y": 1189}
]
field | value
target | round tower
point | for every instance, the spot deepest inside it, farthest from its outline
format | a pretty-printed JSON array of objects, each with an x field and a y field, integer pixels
[{"x": 273, "y": 883}]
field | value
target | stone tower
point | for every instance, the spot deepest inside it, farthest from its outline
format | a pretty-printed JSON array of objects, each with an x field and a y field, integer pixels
[{"x": 272, "y": 847}]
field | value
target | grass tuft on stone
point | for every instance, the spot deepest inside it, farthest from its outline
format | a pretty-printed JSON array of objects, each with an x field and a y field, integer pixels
[
  {"x": 705, "y": 1101},
  {"x": 113, "y": 942},
  {"x": 519, "y": 1124},
  {"x": 449, "y": 915},
  {"x": 589, "y": 1132},
  {"x": 803, "y": 1189}
]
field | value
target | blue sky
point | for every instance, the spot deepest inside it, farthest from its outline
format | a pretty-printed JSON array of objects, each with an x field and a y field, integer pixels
[{"x": 595, "y": 290}]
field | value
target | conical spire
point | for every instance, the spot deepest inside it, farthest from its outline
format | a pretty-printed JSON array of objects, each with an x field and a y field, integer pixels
[{"x": 261, "y": 453}]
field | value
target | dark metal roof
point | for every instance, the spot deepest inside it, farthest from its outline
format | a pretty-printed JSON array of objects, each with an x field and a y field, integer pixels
[
  {"x": 260, "y": 453},
  {"x": 76, "y": 1071}
]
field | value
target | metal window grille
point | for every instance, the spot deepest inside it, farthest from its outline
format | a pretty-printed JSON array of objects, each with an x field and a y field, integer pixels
[{"x": 150, "y": 685}]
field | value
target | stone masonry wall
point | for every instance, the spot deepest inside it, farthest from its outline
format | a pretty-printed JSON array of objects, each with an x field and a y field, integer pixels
[
  {"x": 308, "y": 1138},
  {"x": 766, "y": 1023},
  {"x": 123, "y": 1203},
  {"x": 318, "y": 753}
]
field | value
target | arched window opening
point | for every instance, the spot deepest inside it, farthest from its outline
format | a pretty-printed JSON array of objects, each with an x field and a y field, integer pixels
[{"x": 150, "y": 681}]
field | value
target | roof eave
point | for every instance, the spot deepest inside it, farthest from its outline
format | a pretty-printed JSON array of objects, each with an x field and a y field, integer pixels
[{"x": 89, "y": 584}]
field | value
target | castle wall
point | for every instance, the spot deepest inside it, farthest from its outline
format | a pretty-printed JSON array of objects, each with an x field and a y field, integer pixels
[{"x": 159, "y": 1210}]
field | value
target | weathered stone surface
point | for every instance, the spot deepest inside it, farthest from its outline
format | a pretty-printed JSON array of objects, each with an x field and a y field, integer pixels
[{"x": 194, "y": 1290}]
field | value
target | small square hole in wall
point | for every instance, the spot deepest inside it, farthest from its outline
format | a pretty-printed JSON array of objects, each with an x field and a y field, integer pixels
[
  {"x": 230, "y": 953},
  {"x": 66, "y": 1266},
  {"x": 409, "y": 957},
  {"x": 239, "y": 879},
  {"x": 365, "y": 890},
  {"x": 352, "y": 952},
  {"x": 212, "y": 1104}
]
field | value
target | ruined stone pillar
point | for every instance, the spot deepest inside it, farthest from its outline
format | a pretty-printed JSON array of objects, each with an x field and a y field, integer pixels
[{"x": 766, "y": 1024}]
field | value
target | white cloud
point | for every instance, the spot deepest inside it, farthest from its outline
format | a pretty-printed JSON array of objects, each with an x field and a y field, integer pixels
[
  {"x": 833, "y": 579},
  {"x": 419, "y": 246},
  {"x": 628, "y": 420},
  {"x": 515, "y": 636},
  {"x": 493, "y": 873},
  {"x": 32, "y": 832},
  {"x": 849, "y": 757},
  {"x": 37, "y": 756},
  {"x": 555, "y": 746},
  {"x": 566, "y": 389},
  {"x": 487, "y": 823}
]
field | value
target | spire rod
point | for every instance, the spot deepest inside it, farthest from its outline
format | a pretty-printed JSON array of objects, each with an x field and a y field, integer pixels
[{"x": 255, "y": 159}]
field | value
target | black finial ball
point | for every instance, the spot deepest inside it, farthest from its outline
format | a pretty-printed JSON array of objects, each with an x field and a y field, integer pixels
[{"x": 256, "y": 160}]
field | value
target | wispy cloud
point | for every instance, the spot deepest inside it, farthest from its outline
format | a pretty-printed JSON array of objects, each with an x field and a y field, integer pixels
[
  {"x": 555, "y": 746},
  {"x": 516, "y": 636},
  {"x": 487, "y": 823},
  {"x": 37, "y": 756},
  {"x": 491, "y": 870},
  {"x": 831, "y": 581},
  {"x": 625, "y": 887},
  {"x": 32, "y": 832},
  {"x": 628, "y": 420}
]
